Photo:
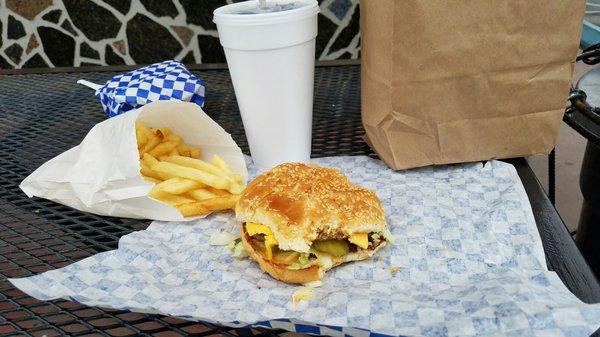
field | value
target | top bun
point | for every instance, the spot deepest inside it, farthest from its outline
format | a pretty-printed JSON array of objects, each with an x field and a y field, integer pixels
[{"x": 302, "y": 203}]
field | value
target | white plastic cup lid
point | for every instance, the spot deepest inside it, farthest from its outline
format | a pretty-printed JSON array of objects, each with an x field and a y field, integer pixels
[{"x": 236, "y": 14}]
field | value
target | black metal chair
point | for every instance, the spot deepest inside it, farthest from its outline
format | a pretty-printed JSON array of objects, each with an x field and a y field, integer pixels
[{"x": 583, "y": 115}]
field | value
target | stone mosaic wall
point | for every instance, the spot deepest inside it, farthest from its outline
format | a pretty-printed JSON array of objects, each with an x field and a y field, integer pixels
[{"x": 65, "y": 33}]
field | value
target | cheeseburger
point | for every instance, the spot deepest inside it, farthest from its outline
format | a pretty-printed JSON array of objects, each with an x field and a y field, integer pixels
[{"x": 299, "y": 221}]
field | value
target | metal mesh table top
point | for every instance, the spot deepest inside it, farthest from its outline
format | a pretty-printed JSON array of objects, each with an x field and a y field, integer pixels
[{"x": 43, "y": 115}]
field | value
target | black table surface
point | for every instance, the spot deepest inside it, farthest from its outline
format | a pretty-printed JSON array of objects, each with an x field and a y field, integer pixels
[{"x": 42, "y": 115}]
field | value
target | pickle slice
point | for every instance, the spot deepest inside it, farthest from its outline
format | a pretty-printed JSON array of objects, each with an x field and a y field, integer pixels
[
  {"x": 304, "y": 261},
  {"x": 286, "y": 257},
  {"x": 336, "y": 248}
]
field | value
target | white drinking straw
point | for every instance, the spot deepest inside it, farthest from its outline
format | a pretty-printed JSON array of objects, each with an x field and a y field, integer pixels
[{"x": 89, "y": 84}]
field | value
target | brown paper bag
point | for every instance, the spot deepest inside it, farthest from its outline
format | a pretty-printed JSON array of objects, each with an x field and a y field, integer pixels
[{"x": 459, "y": 81}]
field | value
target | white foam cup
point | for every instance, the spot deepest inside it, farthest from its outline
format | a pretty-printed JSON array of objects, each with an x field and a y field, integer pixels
[{"x": 271, "y": 59}]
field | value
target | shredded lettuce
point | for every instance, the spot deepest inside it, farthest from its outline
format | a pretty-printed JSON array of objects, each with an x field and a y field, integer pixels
[
  {"x": 376, "y": 238},
  {"x": 304, "y": 261},
  {"x": 237, "y": 248},
  {"x": 388, "y": 236}
]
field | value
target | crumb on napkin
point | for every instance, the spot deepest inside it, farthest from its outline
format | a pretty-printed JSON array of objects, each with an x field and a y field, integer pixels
[{"x": 302, "y": 294}]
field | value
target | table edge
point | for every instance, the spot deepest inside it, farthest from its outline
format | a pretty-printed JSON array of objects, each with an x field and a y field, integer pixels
[
  {"x": 123, "y": 68},
  {"x": 574, "y": 271}
]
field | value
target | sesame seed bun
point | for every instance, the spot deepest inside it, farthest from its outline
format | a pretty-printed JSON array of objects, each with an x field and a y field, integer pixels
[{"x": 302, "y": 203}]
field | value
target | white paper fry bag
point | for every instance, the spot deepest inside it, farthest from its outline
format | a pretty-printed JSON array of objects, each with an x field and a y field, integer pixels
[{"x": 102, "y": 174}]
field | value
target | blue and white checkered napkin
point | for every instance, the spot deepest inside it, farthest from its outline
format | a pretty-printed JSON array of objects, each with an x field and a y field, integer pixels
[
  {"x": 467, "y": 261},
  {"x": 168, "y": 80}
]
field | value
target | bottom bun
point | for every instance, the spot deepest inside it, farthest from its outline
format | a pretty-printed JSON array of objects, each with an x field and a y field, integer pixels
[{"x": 300, "y": 276}]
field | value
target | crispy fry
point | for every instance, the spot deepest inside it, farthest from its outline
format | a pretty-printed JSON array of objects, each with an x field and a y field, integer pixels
[
  {"x": 170, "y": 199},
  {"x": 163, "y": 148},
  {"x": 233, "y": 187},
  {"x": 178, "y": 185},
  {"x": 238, "y": 178},
  {"x": 173, "y": 138},
  {"x": 142, "y": 139},
  {"x": 184, "y": 150},
  {"x": 188, "y": 151},
  {"x": 154, "y": 180},
  {"x": 149, "y": 160},
  {"x": 198, "y": 164},
  {"x": 165, "y": 131},
  {"x": 218, "y": 192},
  {"x": 153, "y": 140},
  {"x": 166, "y": 175},
  {"x": 206, "y": 206},
  {"x": 191, "y": 173},
  {"x": 201, "y": 194},
  {"x": 140, "y": 135},
  {"x": 193, "y": 186},
  {"x": 141, "y": 127},
  {"x": 220, "y": 163},
  {"x": 195, "y": 153},
  {"x": 148, "y": 172}
]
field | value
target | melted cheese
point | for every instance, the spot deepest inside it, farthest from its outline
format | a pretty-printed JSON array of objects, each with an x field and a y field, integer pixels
[
  {"x": 253, "y": 228},
  {"x": 360, "y": 239}
]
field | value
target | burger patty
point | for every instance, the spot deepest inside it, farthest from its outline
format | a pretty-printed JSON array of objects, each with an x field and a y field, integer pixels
[{"x": 330, "y": 235}]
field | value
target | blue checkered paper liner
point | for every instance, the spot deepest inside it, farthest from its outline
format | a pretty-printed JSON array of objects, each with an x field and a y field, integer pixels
[
  {"x": 467, "y": 261},
  {"x": 168, "y": 80}
]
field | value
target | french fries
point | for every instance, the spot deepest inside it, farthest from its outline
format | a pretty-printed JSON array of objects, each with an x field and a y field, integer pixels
[
  {"x": 148, "y": 173},
  {"x": 166, "y": 132},
  {"x": 178, "y": 185},
  {"x": 201, "y": 194},
  {"x": 208, "y": 205},
  {"x": 188, "y": 151},
  {"x": 149, "y": 160},
  {"x": 217, "y": 192},
  {"x": 162, "y": 149},
  {"x": 198, "y": 164},
  {"x": 234, "y": 179},
  {"x": 182, "y": 179},
  {"x": 141, "y": 134},
  {"x": 154, "y": 180},
  {"x": 171, "y": 199},
  {"x": 220, "y": 163},
  {"x": 191, "y": 173},
  {"x": 152, "y": 136}
]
